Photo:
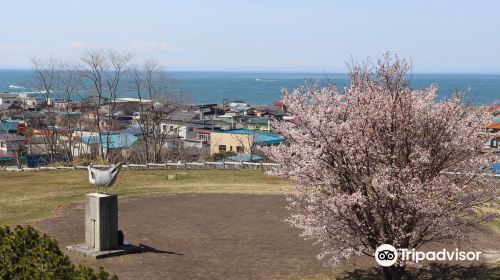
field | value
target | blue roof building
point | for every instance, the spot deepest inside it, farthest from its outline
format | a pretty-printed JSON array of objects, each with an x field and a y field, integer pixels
[
  {"x": 260, "y": 138},
  {"x": 115, "y": 140},
  {"x": 9, "y": 126},
  {"x": 242, "y": 142},
  {"x": 495, "y": 167}
]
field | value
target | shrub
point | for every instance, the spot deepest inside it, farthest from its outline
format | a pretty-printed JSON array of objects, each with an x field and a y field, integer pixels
[
  {"x": 80, "y": 161},
  {"x": 222, "y": 155},
  {"x": 27, "y": 254}
]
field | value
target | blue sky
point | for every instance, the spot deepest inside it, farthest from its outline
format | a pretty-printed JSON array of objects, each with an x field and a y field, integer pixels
[{"x": 258, "y": 35}]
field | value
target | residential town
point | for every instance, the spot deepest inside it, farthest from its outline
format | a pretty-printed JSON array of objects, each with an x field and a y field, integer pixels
[{"x": 37, "y": 131}]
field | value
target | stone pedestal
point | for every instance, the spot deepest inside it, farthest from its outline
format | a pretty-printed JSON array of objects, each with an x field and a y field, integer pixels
[
  {"x": 101, "y": 221},
  {"x": 101, "y": 229}
]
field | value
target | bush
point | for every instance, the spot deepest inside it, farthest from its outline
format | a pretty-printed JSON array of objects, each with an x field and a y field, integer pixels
[
  {"x": 80, "y": 161},
  {"x": 26, "y": 254},
  {"x": 222, "y": 155}
]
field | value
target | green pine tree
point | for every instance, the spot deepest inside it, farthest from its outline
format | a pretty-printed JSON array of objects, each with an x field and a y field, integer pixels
[{"x": 27, "y": 254}]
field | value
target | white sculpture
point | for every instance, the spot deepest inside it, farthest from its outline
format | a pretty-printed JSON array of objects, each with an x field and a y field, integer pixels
[{"x": 103, "y": 178}]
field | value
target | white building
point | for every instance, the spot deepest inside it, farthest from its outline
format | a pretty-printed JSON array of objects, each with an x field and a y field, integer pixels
[
  {"x": 10, "y": 142},
  {"x": 7, "y": 100},
  {"x": 239, "y": 106},
  {"x": 181, "y": 123}
]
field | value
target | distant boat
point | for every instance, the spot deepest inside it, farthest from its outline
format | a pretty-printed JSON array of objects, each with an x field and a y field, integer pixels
[{"x": 16, "y": 87}]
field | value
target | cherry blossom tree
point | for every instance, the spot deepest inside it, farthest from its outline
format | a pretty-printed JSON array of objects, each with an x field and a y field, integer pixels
[{"x": 382, "y": 163}]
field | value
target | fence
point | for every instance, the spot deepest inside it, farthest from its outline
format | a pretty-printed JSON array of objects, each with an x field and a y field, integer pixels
[{"x": 168, "y": 165}]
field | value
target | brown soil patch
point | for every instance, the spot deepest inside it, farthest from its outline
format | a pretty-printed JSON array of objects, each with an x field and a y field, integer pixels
[
  {"x": 235, "y": 236},
  {"x": 199, "y": 236}
]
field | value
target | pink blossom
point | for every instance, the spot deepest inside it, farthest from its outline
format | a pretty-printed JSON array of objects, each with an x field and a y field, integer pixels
[{"x": 369, "y": 163}]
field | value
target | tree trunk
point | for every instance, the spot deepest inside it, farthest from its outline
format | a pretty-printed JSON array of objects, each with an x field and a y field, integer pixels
[{"x": 393, "y": 273}]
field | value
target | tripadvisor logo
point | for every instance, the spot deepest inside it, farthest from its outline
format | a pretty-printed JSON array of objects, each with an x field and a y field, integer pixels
[{"x": 387, "y": 255}]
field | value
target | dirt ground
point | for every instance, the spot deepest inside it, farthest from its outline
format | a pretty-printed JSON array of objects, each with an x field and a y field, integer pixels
[
  {"x": 199, "y": 236},
  {"x": 224, "y": 236}
]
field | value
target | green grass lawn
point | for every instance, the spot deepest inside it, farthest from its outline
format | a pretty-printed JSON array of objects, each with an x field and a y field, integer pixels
[{"x": 30, "y": 196}]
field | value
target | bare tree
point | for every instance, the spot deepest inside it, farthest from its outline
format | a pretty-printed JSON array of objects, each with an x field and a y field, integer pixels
[
  {"x": 118, "y": 63},
  {"x": 95, "y": 66},
  {"x": 104, "y": 70},
  {"x": 247, "y": 142},
  {"x": 70, "y": 84},
  {"x": 45, "y": 75},
  {"x": 156, "y": 103}
]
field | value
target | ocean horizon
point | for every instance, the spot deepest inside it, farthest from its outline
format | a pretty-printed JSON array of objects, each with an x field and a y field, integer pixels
[{"x": 263, "y": 88}]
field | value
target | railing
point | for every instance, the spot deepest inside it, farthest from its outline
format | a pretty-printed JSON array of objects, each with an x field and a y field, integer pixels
[{"x": 168, "y": 165}]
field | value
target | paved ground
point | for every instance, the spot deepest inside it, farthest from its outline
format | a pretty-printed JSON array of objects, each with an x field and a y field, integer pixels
[
  {"x": 199, "y": 236},
  {"x": 232, "y": 236}
]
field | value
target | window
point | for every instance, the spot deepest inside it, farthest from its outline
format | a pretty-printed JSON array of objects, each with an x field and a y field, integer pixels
[
  {"x": 494, "y": 143},
  {"x": 190, "y": 129},
  {"x": 222, "y": 148},
  {"x": 203, "y": 137},
  {"x": 231, "y": 148},
  {"x": 239, "y": 149},
  {"x": 164, "y": 127},
  {"x": 171, "y": 128}
]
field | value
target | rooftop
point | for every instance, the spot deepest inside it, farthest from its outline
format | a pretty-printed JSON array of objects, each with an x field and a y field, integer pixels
[
  {"x": 129, "y": 99},
  {"x": 182, "y": 116},
  {"x": 260, "y": 138},
  {"x": 11, "y": 137},
  {"x": 8, "y": 125},
  {"x": 8, "y": 95},
  {"x": 115, "y": 140}
]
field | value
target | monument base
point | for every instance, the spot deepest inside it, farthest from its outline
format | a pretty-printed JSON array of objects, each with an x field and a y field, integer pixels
[
  {"x": 101, "y": 221},
  {"x": 124, "y": 249}
]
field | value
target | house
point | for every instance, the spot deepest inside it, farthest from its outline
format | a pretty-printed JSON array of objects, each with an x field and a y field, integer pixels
[
  {"x": 65, "y": 117},
  {"x": 10, "y": 142},
  {"x": 239, "y": 106},
  {"x": 66, "y": 105},
  {"x": 126, "y": 105},
  {"x": 203, "y": 135},
  {"x": 92, "y": 101},
  {"x": 495, "y": 167},
  {"x": 208, "y": 111},
  {"x": 268, "y": 111},
  {"x": 229, "y": 121},
  {"x": 241, "y": 141},
  {"x": 9, "y": 126},
  {"x": 33, "y": 118},
  {"x": 259, "y": 123},
  {"x": 181, "y": 123},
  {"x": 170, "y": 142},
  {"x": 31, "y": 102},
  {"x": 7, "y": 100},
  {"x": 118, "y": 145},
  {"x": 280, "y": 105}
]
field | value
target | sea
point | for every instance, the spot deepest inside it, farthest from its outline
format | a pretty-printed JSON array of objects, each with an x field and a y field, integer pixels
[{"x": 265, "y": 88}]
